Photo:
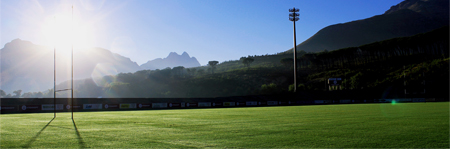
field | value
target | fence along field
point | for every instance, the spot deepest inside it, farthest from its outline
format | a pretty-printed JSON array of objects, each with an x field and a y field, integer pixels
[
  {"x": 386, "y": 125},
  {"x": 36, "y": 105}
]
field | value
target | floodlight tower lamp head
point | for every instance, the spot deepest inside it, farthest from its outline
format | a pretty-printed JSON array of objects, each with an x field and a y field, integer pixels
[
  {"x": 294, "y": 10},
  {"x": 294, "y": 16},
  {"x": 293, "y": 19}
]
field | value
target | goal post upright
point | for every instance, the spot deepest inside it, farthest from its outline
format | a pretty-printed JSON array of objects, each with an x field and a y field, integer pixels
[{"x": 54, "y": 77}]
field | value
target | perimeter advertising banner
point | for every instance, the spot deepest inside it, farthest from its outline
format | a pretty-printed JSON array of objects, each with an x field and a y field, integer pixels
[
  {"x": 30, "y": 107},
  {"x": 345, "y": 101},
  {"x": 68, "y": 107},
  {"x": 128, "y": 105},
  {"x": 51, "y": 107},
  {"x": 319, "y": 102},
  {"x": 327, "y": 101},
  {"x": 144, "y": 105},
  {"x": 303, "y": 102},
  {"x": 272, "y": 103},
  {"x": 159, "y": 105},
  {"x": 9, "y": 108},
  {"x": 174, "y": 105},
  {"x": 241, "y": 104},
  {"x": 283, "y": 103},
  {"x": 379, "y": 100},
  {"x": 217, "y": 104},
  {"x": 191, "y": 104},
  {"x": 228, "y": 104},
  {"x": 262, "y": 103},
  {"x": 404, "y": 99},
  {"x": 251, "y": 103},
  {"x": 430, "y": 99},
  {"x": 92, "y": 106},
  {"x": 419, "y": 100},
  {"x": 204, "y": 104},
  {"x": 111, "y": 106},
  {"x": 398, "y": 100}
]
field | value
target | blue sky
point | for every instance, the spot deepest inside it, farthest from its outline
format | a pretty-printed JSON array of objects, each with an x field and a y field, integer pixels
[{"x": 219, "y": 30}]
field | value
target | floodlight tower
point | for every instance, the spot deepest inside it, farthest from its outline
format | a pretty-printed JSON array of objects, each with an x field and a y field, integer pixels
[{"x": 294, "y": 17}]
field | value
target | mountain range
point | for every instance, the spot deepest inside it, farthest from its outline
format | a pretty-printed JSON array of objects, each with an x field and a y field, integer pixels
[
  {"x": 407, "y": 18},
  {"x": 171, "y": 61},
  {"x": 29, "y": 67}
]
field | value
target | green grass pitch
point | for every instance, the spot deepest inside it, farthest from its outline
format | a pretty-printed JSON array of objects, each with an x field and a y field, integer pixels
[{"x": 401, "y": 125}]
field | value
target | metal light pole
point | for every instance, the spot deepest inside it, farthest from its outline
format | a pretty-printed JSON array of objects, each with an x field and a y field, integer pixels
[{"x": 294, "y": 17}]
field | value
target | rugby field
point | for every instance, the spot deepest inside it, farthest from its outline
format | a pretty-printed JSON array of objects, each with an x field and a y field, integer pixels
[{"x": 401, "y": 125}]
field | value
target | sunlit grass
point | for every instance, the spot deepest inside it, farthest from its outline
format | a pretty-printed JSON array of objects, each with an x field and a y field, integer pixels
[{"x": 405, "y": 125}]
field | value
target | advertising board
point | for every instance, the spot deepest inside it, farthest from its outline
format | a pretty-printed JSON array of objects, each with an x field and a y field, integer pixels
[
  {"x": 318, "y": 101},
  {"x": 345, "y": 101},
  {"x": 241, "y": 104},
  {"x": 144, "y": 105},
  {"x": 174, "y": 105},
  {"x": 419, "y": 100},
  {"x": 403, "y": 99},
  {"x": 251, "y": 103},
  {"x": 282, "y": 103},
  {"x": 217, "y": 104},
  {"x": 430, "y": 99},
  {"x": 379, "y": 100},
  {"x": 128, "y": 105},
  {"x": 191, "y": 104},
  {"x": 204, "y": 104},
  {"x": 8, "y": 108},
  {"x": 30, "y": 107},
  {"x": 228, "y": 104},
  {"x": 262, "y": 103},
  {"x": 159, "y": 105},
  {"x": 51, "y": 107},
  {"x": 305, "y": 102},
  {"x": 92, "y": 106},
  {"x": 272, "y": 103},
  {"x": 111, "y": 106}
]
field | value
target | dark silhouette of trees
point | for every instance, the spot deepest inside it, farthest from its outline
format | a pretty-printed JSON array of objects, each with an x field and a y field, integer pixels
[
  {"x": 213, "y": 65},
  {"x": 178, "y": 71},
  {"x": 2, "y": 93},
  {"x": 287, "y": 62},
  {"x": 426, "y": 46},
  {"x": 18, "y": 93},
  {"x": 247, "y": 61},
  {"x": 201, "y": 71}
]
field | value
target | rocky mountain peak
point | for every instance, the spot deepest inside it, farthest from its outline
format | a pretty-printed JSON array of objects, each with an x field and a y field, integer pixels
[
  {"x": 172, "y": 60},
  {"x": 173, "y": 55},
  {"x": 185, "y": 54}
]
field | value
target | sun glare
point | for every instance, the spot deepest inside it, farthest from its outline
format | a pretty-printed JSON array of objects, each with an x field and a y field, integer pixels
[{"x": 62, "y": 32}]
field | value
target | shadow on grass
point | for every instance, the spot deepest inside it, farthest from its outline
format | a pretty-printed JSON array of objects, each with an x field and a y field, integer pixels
[
  {"x": 80, "y": 140},
  {"x": 37, "y": 135}
]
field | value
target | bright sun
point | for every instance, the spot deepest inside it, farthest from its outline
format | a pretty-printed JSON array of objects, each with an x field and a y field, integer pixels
[{"x": 62, "y": 32}]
